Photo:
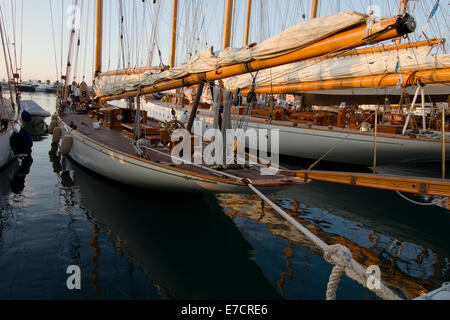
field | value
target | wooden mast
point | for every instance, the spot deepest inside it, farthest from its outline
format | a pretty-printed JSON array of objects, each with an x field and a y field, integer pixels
[
  {"x": 347, "y": 39},
  {"x": 315, "y": 5},
  {"x": 247, "y": 21},
  {"x": 174, "y": 33},
  {"x": 402, "y": 10},
  {"x": 227, "y": 24},
  {"x": 98, "y": 36}
]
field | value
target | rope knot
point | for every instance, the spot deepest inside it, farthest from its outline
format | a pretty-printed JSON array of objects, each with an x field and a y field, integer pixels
[{"x": 338, "y": 255}]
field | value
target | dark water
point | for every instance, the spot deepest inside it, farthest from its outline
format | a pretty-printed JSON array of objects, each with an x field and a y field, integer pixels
[{"x": 135, "y": 244}]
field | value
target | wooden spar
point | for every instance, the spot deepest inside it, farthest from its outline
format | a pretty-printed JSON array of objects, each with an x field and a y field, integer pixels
[
  {"x": 315, "y": 5},
  {"x": 247, "y": 21},
  {"x": 227, "y": 24},
  {"x": 383, "y": 48},
  {"x": 403, "y": 8},
  {"x": 129, "y": 71},
  {"x": 98, "y": 37},
  {"x": 377, "y": 81},
  {"x": 423, "y": 186},
  {"x": 174, "y": 33},
  {"x": 347, "y": 39}
]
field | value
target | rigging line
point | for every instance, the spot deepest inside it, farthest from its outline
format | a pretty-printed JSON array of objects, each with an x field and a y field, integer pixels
[
  {"x": 6, "y": 48},
  {"x": 6, "y": 39},
  {"x": 53, "y": 34},
  {"x": 436, "y": 202},
  {"x": 62, "y": 36}
]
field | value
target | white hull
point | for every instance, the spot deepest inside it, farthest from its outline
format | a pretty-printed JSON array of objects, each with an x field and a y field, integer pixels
[
  {"x": 312, "y": 143},
  {"x": 137, "y": 172},
  {"x": 6, "y": 154}
]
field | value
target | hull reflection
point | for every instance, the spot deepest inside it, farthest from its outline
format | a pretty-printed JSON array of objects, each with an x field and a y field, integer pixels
[{"x": 187, "y": 246}]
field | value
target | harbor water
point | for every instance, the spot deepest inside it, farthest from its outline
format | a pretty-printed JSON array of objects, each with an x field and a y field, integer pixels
[{"x": 144, "y": 244}]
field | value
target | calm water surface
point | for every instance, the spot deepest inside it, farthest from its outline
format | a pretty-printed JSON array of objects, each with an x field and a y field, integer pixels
[{"x": 140, "y": 244}]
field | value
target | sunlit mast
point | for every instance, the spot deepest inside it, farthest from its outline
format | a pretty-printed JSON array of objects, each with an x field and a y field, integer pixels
[
  {"x": 247, "y": 22},
  {"x": 227, "y": 24},
  {"x": 174, "y": 33},
  {"x": 315, "y": 5},
  {"x": 98, "y": 37}
]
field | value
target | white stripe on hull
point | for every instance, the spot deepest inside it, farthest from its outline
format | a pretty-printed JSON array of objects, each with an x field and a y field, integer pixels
[{"x": 314, "y": 143}]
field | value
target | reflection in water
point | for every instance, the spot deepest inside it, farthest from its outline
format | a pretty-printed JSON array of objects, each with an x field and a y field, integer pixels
[
  {"x": 407, "y": 268},
  {"x": 289, "y": 251},
  {"x": 187, "y": 247},
  {"x": 12, "y": 177},
  {"x": 95, "y": 255},
  {"x": 18, "y": 182},
  {"x": 7, "y": 175}
]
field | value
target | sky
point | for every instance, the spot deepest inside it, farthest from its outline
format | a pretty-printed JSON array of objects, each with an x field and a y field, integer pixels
[{"x": 200, "y": 24}]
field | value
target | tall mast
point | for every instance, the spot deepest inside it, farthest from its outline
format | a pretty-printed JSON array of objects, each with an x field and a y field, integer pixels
[
  {"x": 98, "y": 36},
  {"x": 315, "y": 5},
  {"x": 174, "y": 33},
  {"x": 227, "y": 24},
  {"x": 69, "y": 57},
  {"x": 402, "y": 10},
  {"x": 247, "y": 22}
]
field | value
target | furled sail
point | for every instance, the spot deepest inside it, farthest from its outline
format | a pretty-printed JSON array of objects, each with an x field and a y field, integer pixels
[
  {"x": 388, "y": 62},
  {"x": 298, "y": 36}
]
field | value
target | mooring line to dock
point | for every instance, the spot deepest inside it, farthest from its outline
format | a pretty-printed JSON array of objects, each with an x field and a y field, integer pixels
[{"x": 338, "y": 255}]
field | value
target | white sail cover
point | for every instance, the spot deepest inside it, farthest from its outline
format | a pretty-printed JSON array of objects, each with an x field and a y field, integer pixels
[
  {"x": 346, "y": 67},
  {"x": 298, "y": 36}
]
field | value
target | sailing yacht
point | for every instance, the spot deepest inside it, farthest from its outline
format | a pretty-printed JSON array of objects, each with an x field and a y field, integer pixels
[
  {"x": 120, "y": 144},
  {"x": 346, "y": 134}
]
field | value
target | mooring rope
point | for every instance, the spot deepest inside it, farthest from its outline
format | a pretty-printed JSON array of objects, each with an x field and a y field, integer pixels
[{"x": 337, "y": 254}]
